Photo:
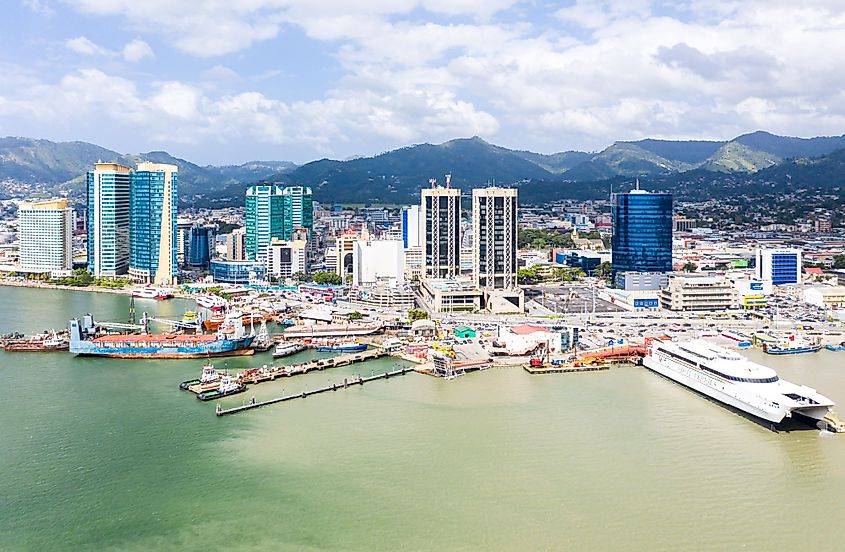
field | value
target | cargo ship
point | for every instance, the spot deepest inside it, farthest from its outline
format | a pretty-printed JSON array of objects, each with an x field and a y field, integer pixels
[
  {"x": 45, "y": 342},
  {"x": 86, "y": 338}
]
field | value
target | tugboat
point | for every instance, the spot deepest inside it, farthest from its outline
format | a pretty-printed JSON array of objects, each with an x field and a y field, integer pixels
[
  {"x": 209, "y": 375},
  {"x": 342, "y": 347},
  {"x": 840, "y": 347},
  {"x": 228, "y": 386},
  {"x": 287, "y": 349}
]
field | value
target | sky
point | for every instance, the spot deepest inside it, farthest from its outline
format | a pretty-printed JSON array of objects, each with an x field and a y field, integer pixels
[{"x": 228, "y": 81}]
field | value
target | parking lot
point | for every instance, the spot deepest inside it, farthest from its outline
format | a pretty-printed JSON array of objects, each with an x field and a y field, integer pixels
[{"x": 569, "y": 299}]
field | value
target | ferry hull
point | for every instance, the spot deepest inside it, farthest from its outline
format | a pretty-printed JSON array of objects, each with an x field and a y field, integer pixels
[
  {"x": 689, "y": 378},
  {"x": 168, "y": 355},
  {"x": 221, "y": 348}
]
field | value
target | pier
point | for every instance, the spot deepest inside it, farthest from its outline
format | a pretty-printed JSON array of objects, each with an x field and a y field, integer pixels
[
  {"x": 593, "y": 365},
  {"x": 347, "y": 383}
]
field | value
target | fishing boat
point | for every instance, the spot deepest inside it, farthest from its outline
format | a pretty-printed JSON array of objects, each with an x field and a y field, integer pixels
[
  {"x": 228, "y": 386},
  {"x": 792, "y": 347},
  {"x": 342, "y": 347},
  {"x": 88, "y": 338},
  {"x": 287, "y": 349},
  {"x": 152, "y": 292},
  {"x": 44, "y": 342}
]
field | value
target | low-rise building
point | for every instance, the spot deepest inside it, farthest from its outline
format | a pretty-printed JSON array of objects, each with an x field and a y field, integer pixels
[
  {"x": 698, "y": 293},
  {"x": 829, "y": 297},
  {"x": 451, "y": 295}
]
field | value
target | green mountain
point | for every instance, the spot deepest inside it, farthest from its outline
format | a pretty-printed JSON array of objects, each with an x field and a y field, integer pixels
[{"x": 60, "y": 167}]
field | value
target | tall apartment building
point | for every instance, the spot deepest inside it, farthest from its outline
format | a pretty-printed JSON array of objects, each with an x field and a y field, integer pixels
[
  {"x": 494, "y": 238},
  {"x": 779, "y": 266},
  {"x": 107, "y": 189},
  {"x": 152, "y": 223},
  {"x": 45, "y": 233},
  {"x": 494, "y": 228},
  {"x": 202, "y": 243},
  {"x": 411, "y": 227},
  {"x": 298, "y": 206},
  {"x": 441, "y": 235},
  {"x": 264, "y": 219},
  {"x": 236, "y": 245},
  {"x": 378, "y": 262},
  {"x": 642, "y": 234}
]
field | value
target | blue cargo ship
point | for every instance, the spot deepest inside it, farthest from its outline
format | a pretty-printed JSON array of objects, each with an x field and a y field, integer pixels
[{"x": 84, "y": 340}]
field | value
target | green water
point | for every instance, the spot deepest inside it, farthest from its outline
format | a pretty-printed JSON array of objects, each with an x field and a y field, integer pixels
[{"x": 100, "y": 454}]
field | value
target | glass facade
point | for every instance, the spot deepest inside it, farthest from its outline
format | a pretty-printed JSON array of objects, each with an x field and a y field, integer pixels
[
  {"x": 442, "y": 235},
  {"x": 107, "y": 190},
  {"x": 201, "y": 245},
  {"x": 264, "y": 219},
  {"x": 298, "y": 206},
  {"x": 785, "y": 268},
  {"x": 153, "y": 207},
  {"x": 237, "y": 272},
  {"x": 642, "y": 233}
]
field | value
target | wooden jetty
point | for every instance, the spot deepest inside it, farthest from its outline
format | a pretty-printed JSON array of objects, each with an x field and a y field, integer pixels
[
  {"x": 593, "y": 365},
  {"x": 347, "y": 383}
]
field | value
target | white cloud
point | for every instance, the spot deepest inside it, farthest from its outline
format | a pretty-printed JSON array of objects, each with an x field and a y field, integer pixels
[
  {"x": 84, "y": 46},
  {"x": 40, "y": 7},
  {"x": 136, "y": 50}
]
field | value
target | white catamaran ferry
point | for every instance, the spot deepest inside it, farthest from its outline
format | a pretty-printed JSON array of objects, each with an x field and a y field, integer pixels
[{"x": 732, "y": 379}]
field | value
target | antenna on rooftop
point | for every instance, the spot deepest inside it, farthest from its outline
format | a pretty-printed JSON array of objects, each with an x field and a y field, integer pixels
[
  {"x": 638, "y": 184},
  {"x": 448, "y": 180},
  {"x": 432, "y": 181}
]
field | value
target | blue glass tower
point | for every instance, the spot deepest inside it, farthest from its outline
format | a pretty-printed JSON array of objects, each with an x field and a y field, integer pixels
[
  {"x": 642, "y": 233},
  {"x": 201, "y": 246},
  {"x": 107, "y": 194},
  {"x": 152, "y": 224}
]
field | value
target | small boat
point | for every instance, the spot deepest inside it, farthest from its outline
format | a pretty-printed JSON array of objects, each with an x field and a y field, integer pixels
[
  {"x": 152, "y": 292},
  {"x": 791, "y": 347},
  {"x": 246, "y": 320},
  {"x": 840, "y": 347},
  {"x": 45, "y": 342},
  {"x": 228, "y": 386},
  {"x": 342, "y": 347},
  {"x": 287, "y": 349},
  {"x": 211, "y": 302}
]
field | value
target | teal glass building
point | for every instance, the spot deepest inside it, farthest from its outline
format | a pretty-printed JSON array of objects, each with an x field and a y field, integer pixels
[
  {"x": 107, "y": 198},
  {"x": 152, "y": 224},
  {"x": 298, "y": 210},
  {"x": 264, "y": 219}
]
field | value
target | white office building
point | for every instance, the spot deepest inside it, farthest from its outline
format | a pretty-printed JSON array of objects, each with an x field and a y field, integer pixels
[
  {"x": 411, "y": 226},
  {"x": 378, "y": 262},
  {"x": 286, "y": 258},
  {"x": 779, "y": 266},
  {"x": 45, "y": 233}
]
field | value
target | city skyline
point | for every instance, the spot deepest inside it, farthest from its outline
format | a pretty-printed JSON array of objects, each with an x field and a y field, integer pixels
[{"x": 227, "y": 83}]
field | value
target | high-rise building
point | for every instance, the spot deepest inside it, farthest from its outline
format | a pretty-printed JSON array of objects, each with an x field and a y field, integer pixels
[
  {"x": 378, "y": 262},
  {"x": 108, "y": 219},
  {"x": 264, "y": 219},
  {"x": 152, "y": 223},
  {"x": 411, "y": 226},
  {"x": 441, "y": 236},
  {"x": 642, "y": 233},
  {"x": 298, "y": 210},
  {"x": 236, "y": 245},
  {"x": 45, "y": 233},
  {"x": 494, "y": 212},
  {"x": 202, "y": 239},
  {"x": 183, "y": 240},
  {"x": 493, "y": 251},
  {"x": 286, "y": 258},
  {"x": 779, "y": 266}
]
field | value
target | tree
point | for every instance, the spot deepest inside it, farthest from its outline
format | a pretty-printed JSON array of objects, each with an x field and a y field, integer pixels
[
  {"x": 417, "y": 314},
  {"x": 602, "y": 270},
  {"x": 526, "y": 275},
  {"x": 355, "y": 315},
  {"x": 839, "y": 261},
  {"x": 327, "y": 279},
  {"x": 690, "y": 267},
  {"x": 300, "y": 277}
]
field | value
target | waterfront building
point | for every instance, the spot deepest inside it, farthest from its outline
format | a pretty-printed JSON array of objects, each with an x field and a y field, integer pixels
[
  {"x": 779, "y": 266},
  {"x": 641, "y": 281},
  {"x": 382, "y": 297},
  {"x": 152, "y": 223},
  {"x": 494, "y": 259},
  {"x": 183, "y": 240},
  {"x": 378, "y": 261},
  {"x": 286, "y": 258},
  {"x": 441, "y": 235},
  {"x": 298, "y": 209},
  {"x": 107, "y": 191},
  {"x": 642, "y": 233},
  {"x": 828, "y": 297},
  {"x": 45, "y": 234},
  {"x": 698, "y": 293},
  {"x": 411, "y": 224},
  {"x": 237, "y": 272},
  {"x": 344, "y": 253},
  {"x": 265, "y": 219},
  {"x": 451, "y": 295}
]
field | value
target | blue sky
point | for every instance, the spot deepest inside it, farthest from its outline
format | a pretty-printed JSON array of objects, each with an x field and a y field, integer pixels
[{"x": 231, "y": 81}]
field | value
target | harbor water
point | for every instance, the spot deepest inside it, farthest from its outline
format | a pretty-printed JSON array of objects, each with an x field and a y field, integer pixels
[{"x": 107, "y": 454}]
